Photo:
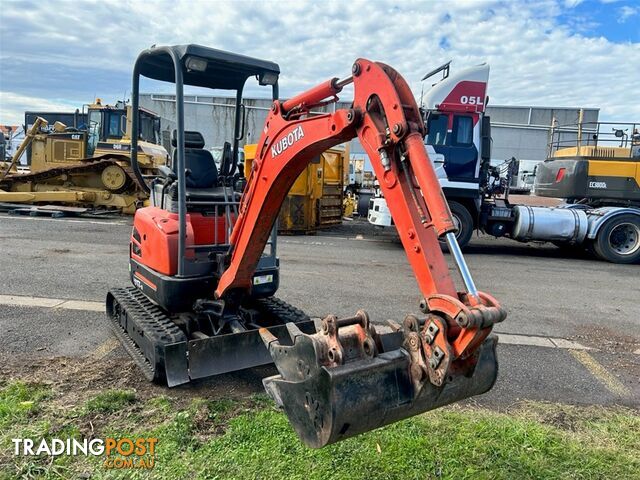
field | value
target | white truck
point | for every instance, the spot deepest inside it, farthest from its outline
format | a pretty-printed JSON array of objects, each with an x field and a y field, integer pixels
[{"x": 596, "y": 170}]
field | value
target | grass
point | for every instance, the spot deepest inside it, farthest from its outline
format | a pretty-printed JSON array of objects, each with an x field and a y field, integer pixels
[
  {"x": 18, "y": 400},
  {"x": 110, "y": 401},
  {"x": 251, "y": 439}
]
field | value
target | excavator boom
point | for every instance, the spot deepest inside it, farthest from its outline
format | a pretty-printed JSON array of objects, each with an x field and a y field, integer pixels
[{"x": 348, "y": 377}]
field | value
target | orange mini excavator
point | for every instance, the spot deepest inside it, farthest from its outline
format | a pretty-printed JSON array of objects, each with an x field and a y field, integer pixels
[{"x": 204, "y": 268}]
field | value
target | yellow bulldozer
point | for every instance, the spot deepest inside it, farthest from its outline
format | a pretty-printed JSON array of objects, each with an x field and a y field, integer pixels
[{"x": 88, "y": 166}]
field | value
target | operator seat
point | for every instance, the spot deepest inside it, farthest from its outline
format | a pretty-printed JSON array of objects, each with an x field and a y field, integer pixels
[
  {"x": 203, "y": 186},
  {"x": 202, "y": 182},
  {"x": 198, "y": 162}
]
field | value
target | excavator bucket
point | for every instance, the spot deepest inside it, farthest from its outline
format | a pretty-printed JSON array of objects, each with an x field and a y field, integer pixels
[{"x": 334, "y": 386}]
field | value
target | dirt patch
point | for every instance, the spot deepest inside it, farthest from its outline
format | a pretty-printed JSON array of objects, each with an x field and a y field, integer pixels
[
  {"x": 75, "y": 380},
  {"x": 607, "y": 340},
  {"x": 569, "y": 418}
]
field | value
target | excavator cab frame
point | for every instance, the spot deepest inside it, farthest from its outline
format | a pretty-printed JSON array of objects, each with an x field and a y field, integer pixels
[
  {"x": 180, "y": 244},
  {"x": 197, "y": 66}
]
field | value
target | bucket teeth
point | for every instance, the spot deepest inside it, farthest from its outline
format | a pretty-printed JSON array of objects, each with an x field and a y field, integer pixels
[
  {"x": 293, "y": 330},
  {"x": 268, "y": 338}
]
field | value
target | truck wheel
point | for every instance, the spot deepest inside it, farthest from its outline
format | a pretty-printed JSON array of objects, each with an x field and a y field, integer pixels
[
  {"x": 464, "y": 222},
  {"x": 618, "y": 240}
]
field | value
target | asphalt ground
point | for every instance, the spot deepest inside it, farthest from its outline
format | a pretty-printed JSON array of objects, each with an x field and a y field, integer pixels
[{"x": 572, "y": 334}]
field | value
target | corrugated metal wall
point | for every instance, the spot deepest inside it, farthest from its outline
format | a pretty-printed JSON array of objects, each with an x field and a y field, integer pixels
[
  {"x": 520, "y": 132},
  {"x": 214, "y": 116},
  {"x": 523, "y": 132}
]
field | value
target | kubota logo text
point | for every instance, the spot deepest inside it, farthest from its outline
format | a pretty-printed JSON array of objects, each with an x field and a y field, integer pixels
[{"x": 287, "y": 141}]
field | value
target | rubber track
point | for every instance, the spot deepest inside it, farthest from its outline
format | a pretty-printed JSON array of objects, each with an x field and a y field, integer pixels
[
  {"x": 148, "y": 317},
  {"x": 132, "y": 349},
  {"x": 279, "y": 308}
]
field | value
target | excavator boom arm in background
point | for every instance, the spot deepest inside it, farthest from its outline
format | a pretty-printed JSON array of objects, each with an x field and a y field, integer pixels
[{"x": 345, "y": 379}]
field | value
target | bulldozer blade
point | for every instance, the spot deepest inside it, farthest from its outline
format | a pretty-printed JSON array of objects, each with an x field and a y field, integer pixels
[
  {"x": 176, "y": 367},
  {"x": 163, "y": 351},
  {"x": 194, "y": 359},
  {"x": 328, "y": 404}
]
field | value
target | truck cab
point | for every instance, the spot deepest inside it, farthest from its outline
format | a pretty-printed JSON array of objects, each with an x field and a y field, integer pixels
[
  {"x": 458, "y": 143},
  {"x": 593, "y": 167}
]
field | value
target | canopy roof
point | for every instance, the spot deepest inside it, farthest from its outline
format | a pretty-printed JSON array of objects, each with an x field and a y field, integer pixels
[{"x": 225, "y": 70}]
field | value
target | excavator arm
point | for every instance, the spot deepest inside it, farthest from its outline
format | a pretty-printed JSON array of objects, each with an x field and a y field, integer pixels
[{"x": 352, "y": 376}]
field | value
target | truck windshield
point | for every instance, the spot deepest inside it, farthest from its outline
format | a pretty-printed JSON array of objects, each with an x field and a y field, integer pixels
[
  {"x": 437, "y": 126},
  {"x": 463, "y": 130}
]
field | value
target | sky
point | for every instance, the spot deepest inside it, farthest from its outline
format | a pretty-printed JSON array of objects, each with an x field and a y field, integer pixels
[{"x": 58, "y": 55}]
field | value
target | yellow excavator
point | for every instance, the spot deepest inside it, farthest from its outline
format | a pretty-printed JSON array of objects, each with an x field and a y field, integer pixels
[{"x": 89, "y": 166}]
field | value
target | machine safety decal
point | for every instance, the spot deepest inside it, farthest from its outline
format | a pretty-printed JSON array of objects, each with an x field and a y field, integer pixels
[{"x": 262, "y": 279}]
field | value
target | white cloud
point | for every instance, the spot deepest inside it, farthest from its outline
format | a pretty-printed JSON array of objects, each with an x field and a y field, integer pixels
[
  {"x": 13, "y": 105},
  {"x": 626, "y": 12},
  {"x": 535, "y": 59}
]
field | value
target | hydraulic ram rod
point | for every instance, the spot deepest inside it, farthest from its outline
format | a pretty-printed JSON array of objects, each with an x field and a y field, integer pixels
[
  {"x": 317, "y": 94},
  {"x": 454, "y": 248}
]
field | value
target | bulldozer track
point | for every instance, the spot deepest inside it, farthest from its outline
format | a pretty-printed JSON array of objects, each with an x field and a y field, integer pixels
[{"x": 93, "y": 165}]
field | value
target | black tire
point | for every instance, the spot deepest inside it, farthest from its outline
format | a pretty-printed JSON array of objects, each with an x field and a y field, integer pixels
[
  {"x": 618, "y": 240},
  {"x": 464, "y": 221}
]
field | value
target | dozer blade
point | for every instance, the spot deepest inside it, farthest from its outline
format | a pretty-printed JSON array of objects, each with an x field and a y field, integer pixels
[
  {"x": 223, "y": 353},
  {"x": 328, "y": 397},
  {"x": 165, "y": 354}
]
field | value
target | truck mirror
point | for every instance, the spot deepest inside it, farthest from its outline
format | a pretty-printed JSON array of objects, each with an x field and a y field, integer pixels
[
  {"x": 485, "y": 137},
  {"x": 485, "y": 126},
  {"x": 486, "y": 147}
]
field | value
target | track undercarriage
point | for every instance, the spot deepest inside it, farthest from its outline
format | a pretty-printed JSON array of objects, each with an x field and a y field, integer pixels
[{"x": 180, "y": 348}]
